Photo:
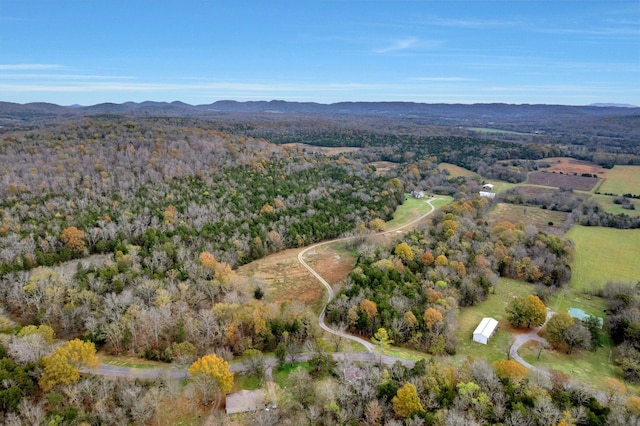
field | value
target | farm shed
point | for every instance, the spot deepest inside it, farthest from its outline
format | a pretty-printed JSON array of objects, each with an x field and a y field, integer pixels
[
  {"x": 488, "y": 186},
  {"x": 485, "y": 330},
  {"x": 487, "y": 194}
]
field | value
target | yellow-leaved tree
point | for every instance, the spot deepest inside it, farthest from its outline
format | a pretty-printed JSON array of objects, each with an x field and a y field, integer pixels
[
  {"x": 61, "y": 367},
  {"x": 406, "y": 403},
  {"x": 211, "y": 378},
  {"x": 404, "y": 251}
]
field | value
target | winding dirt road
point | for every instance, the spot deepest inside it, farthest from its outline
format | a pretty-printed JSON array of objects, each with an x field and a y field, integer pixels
[{"x": 370, "y": 347}]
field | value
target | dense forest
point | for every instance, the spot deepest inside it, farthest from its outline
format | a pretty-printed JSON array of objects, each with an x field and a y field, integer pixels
[{"x": 125, "y": 232}]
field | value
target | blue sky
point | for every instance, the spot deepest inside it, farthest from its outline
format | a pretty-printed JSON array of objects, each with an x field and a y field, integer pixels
[{"x": 85, "y": 52}]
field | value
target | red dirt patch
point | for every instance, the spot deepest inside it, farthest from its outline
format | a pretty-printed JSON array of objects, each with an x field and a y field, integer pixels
[
  {"x": 570, "y": 166},
  {"x": 562, "y": 180}
]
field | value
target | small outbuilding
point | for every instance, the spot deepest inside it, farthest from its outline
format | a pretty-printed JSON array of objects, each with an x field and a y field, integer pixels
[
  {"x": 485, "y": 330},
  {"x": 487, "y": 194},
  {"x": 488, "y": 186}
]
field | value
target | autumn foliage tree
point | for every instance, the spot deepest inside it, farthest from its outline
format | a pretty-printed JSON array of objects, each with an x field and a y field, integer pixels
[
  {"x": 211, "y": 377},
  {"x": 526, "y": 311},
  {"x": 406, "y": 403},
  {"x": 73, "y": 238},
  {"x": 510, "y": 370},
  {"x": 61, "y": 367},
  {"x": 404, "y": 251}
]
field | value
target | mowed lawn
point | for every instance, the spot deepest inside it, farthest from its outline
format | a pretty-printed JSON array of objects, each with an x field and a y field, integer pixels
[
  {"x": 622, "y": 180},
  {"x": 456, "y": 170},
  {"x": 604, "y": 254},
  {"x": 493, "y": 307}
]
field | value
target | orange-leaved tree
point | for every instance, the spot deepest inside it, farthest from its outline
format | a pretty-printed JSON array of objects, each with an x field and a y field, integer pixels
[
  {"x": 510, "y": 370},
  {"x": 73, "y": 238}
]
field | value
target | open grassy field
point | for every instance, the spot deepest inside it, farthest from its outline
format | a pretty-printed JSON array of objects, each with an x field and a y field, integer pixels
[
  {"x": 413, "y": 208},
  {"x": 588, "y": 368},
  {"x": 604, "y": 254},
  {"x": 527, "y": 214},
  {"x": 606, "y": 201},
  {"x": 456, "y": 170},
  {"x": 470, "y": 317},
  {"x": 622, "y": 180}
]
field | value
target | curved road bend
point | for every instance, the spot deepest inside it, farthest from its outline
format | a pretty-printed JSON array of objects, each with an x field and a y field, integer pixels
[
  {"x": 370, "y": 347},
  {"x": 521, "y": 339}
]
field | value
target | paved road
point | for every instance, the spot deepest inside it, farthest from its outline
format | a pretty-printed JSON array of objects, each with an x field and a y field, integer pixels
[{"x": 174, "y": 373}]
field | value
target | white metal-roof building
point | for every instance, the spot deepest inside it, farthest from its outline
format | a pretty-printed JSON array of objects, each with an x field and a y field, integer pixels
[{"x": 485, "y": 330}]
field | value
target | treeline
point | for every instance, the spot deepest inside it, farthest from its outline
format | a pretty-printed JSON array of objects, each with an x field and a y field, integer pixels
[
  {"x": 622, "y": 324},
  {"x": 414, "y": 291}
]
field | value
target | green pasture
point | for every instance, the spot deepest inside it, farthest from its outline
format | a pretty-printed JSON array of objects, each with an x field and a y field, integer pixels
[
  {"x": 456, "y": 170},
  {"x": 604, "y": 254},
  {"x": 590, "y": 368},
  {"x": 606, "y": 201},
  {"x": 566, "y": 298},
  {"x": 413, "y": 208},
  {"x": 622, "y": 180}
]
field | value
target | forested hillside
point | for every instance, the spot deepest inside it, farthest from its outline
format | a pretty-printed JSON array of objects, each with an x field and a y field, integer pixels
[{"x": 125, "y": 232}]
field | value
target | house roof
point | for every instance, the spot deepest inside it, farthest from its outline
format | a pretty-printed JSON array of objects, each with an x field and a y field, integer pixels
[{"x": 486, "y": 327}]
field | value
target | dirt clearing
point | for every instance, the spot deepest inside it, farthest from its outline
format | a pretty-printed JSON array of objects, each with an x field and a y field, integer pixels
[{"x": 287, "y": 280}]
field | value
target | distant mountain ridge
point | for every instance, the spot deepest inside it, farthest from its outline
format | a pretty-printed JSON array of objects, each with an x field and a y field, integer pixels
[{"x": 440, "y": 112}]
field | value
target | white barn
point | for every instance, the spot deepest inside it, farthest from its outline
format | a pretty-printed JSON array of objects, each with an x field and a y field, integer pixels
[
  {"x": 485, "y": 330},
  {"x": 486, "y": 194}
]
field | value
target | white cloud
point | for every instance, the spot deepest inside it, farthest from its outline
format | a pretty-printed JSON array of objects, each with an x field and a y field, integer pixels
[
  {"x": 29, "y": 67},
  {"x": 399, "y": 45},
  {"x": 443, "y": 79}
]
